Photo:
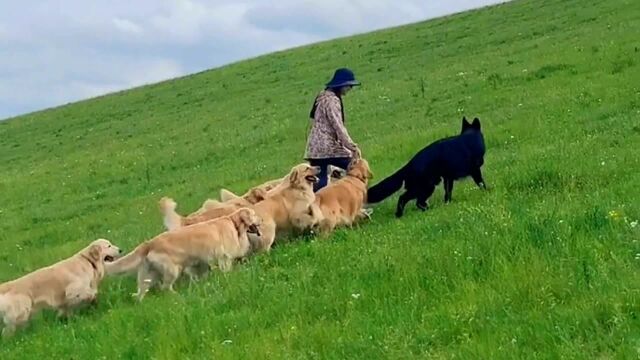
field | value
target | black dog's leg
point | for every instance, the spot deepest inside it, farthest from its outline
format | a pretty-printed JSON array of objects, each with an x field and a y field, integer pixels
[
  {"x": 476, "y": 174},
  {"x": 421, "y": 202},
  {"x": 448, "y": 190},
  {"x": 403, "y": 200},
  {"x": 422, "y": 197}
]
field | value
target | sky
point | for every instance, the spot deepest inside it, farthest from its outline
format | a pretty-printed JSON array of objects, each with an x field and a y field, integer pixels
[{"x": 54, "y": 52}]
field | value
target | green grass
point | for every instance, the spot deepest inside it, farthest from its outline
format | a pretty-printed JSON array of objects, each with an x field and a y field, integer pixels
[{"x": 544, "y": 266}]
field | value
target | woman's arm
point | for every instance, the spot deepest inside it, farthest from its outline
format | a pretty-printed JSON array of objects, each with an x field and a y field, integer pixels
[{"x": 334, "y": 117}]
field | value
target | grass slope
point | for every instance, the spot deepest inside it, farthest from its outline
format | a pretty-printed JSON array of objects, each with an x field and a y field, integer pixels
[{"x": 544, "y": 266}]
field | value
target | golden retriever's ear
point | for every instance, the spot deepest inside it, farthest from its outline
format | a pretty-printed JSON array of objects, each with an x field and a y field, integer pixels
[
  {"x": 246, "y": 217},
  {"x": 370, "y": 174},
  {"x": 236, "y": 217},
  {"x": 351, "y": 164},
  {"x": 360, "y": 173},
  {"x": 256, "y": 195},
  {"x": 250, "y": 217},
  {"x": 294, "y": 176},
  {"x": 242, "y": 215},
  {"x": 239, "y": 217},
  {"x": 95, "y": 252}
]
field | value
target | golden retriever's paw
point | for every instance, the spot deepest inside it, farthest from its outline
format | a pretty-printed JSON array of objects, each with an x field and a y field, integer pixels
[
  {"x": 324, "y": 232},
  {"x": 367, "y": 212},
  {"x": 138, "y": 295},
  {"x": 266, "y": 249},
  {"x": 63, "y": 316},
  {"x": 169, "y": 288},
  {"x": 8, "y": 331}
]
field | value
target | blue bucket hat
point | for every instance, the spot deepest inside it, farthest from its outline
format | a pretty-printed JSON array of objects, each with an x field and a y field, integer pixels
[{"x": 343, "y": 77}]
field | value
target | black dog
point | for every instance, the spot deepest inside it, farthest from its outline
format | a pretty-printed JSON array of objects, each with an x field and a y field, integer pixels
[{"x": 447, "y": 159}]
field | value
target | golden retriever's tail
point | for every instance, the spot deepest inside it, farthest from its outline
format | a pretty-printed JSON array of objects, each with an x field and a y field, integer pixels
[
  {"x": 129, "y": 262},
  {"x": 226, "y": 195},
  {"x": 172, "y": 220}
]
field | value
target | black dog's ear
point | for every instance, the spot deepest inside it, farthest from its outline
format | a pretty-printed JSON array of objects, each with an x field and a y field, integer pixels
[
  {"x": 476, "y": 124},
  {"x": 465, "y": 124}
]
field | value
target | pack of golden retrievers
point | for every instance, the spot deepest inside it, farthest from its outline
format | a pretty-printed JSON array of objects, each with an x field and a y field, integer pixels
[{"x": 220, "y": 232}]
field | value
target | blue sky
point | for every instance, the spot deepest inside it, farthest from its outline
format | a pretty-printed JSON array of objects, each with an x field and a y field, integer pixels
[{"x": 57, "y": 51}]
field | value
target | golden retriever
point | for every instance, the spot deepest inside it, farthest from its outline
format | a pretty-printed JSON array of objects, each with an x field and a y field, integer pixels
[
  {"x": 62, "y": 286},
  {"x": 341, "y": 201},
  {"x": 225, "y": 195},
  {"x": 252, "y": 196},
  {"x": 211, "y": 209},
  {"x": 286, "y": 208},
  {"x": 165, "y": 257}
]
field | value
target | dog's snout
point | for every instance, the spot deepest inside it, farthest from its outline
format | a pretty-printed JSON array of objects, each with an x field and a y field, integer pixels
[{"x": 119, "y": 251}]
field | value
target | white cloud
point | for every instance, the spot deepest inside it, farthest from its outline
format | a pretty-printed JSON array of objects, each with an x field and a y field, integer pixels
[
  {"x": 335, "y": 16},
  {"x": 56, "y": 51}
]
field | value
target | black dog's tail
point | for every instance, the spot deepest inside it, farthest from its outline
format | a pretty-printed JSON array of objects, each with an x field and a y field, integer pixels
[{"x": 386, "y": 187}]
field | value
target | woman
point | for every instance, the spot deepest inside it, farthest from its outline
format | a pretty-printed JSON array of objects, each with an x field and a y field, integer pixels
[{"x": 329, "y": 142}]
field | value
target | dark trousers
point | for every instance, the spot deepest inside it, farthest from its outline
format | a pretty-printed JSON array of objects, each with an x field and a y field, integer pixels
[{"x": 341, "y": 162}]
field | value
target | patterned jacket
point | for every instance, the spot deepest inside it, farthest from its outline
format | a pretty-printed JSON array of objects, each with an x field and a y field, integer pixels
[{"x": 328, "y": 136}]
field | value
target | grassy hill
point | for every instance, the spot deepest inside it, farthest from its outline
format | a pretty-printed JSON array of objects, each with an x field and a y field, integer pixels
[{"x": 544, "y": 266}]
